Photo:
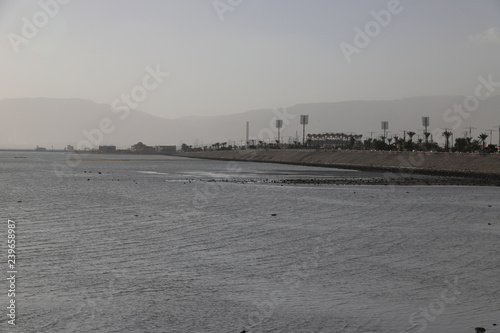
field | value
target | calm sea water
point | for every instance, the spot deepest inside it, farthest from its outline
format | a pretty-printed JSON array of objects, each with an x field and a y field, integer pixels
[{"x": 153, "y": 244}]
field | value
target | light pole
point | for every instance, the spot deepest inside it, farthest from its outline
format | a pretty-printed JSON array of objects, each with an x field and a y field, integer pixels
[
  {"x": 425, "y": 123},
  {"x": 491, "y": 134},
  {"x": 385, "y": 127},
  {"x": 247, "y": 137},
  {"x": 470, "y": 131},
  {"x": 304, "y": 120},
  {"x": 279, "y": 125}
]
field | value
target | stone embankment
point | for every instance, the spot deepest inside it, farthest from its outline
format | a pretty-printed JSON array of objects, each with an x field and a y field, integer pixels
[{"x": 442, "y": 164}]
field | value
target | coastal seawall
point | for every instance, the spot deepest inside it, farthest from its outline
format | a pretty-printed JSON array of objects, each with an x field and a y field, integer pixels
[{"x": 452, "y": 164}]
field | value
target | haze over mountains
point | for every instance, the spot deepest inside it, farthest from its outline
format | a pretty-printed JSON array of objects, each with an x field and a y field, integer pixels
[{"x": 59, "y": 122}]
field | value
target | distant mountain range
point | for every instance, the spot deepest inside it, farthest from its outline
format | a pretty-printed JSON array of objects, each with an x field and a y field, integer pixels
[{"x": 26, "y": 123}]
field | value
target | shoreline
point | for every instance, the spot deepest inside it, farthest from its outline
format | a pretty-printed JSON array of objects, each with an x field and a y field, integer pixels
[{"x": 449, "y": 168}]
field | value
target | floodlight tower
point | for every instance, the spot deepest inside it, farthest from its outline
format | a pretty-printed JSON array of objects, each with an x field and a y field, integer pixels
[
  {"x": 385, "y": 127},
  {"x": 470, "y": 130},
  {"x": 425, "y": 123},
  {"x": 279, "y": 125},
  {"x": 304, "y": 120},
  {"x": 491, "y": 134},
  {"x": 248, "y": 134}
]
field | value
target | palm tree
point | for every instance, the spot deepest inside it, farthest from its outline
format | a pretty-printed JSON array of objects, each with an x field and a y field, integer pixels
[
  {"x": 447, "y": 135},
  {"x": 411, "y": 134},
  {"x": 483, "y": 137},
  {"x": 461, "y": 145},
  {"x": 368, "y": 142},
  {"x": 395, "y": 137},
  {"x": 427, "y": 134}
]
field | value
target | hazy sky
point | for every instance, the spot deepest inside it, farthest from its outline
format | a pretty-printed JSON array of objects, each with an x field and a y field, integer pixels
[{"x": 230, "y": 56}]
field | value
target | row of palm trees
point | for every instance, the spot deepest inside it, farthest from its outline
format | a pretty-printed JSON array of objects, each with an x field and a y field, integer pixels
[
  {"x": 467, "y": 144},
  {"x": 447, "y": 134}
]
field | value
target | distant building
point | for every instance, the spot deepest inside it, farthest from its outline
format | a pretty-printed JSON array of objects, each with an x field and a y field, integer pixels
[
  {"x": 251, "y": 142},
  {"x": 70, "y": 148},
  {"x": 142, "y": 148},
  {"x": 330, "y": 140},
  {"x": 40, "y": 149},
  {"x": 166, "y": 149},
  {"x": 107, "y": 149}
]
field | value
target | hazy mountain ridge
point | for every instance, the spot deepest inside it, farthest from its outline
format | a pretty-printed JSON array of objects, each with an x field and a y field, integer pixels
[{"x": 59, "y": 122}]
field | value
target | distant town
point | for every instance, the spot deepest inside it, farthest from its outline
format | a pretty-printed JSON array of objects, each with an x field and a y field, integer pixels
[
  {"x": 402, "y": 141},
  {"x": 323, "y": 141},
  {"x": 405, "y": 141},
  {"x": 138, "y": 148}
]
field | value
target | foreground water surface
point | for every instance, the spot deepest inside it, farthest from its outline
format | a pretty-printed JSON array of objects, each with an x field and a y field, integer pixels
[{"x": 112, "y": 243}]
